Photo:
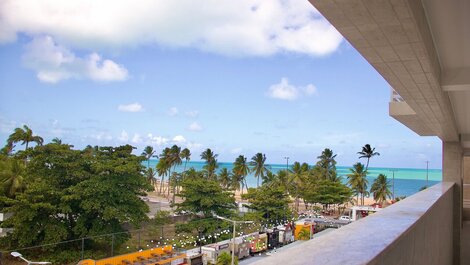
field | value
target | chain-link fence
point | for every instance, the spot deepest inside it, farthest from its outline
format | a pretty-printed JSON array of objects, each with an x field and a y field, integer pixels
[
  {"x": 108, "y": 245},
  {"x": 93, "y": 247}
]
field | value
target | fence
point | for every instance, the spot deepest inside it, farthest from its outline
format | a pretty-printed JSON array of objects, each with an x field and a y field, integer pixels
[{"x": 107, "y": 245}]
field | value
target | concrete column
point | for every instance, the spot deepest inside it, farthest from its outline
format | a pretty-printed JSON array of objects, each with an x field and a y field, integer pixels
[{"x": 452, "y": 157}]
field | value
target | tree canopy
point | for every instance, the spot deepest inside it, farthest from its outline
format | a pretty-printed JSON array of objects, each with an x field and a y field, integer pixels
[{"x": 72, "y": 193}]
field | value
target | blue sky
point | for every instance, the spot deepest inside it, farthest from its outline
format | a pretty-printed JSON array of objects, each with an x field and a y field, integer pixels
[{"x": 239, "y": 78}]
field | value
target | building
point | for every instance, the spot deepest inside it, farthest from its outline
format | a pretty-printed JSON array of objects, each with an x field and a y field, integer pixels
[{"x": 422, "y": 49}]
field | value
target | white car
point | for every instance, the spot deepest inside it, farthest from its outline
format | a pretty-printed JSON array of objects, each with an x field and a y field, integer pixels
[{"x": 345, "y": 218}]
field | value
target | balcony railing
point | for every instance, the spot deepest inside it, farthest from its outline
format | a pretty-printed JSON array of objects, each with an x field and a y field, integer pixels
[{"x": 417, "y": 230}]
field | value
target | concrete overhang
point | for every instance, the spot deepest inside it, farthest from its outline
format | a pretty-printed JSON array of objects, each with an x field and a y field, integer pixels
[{"x": 404, "y": 114}]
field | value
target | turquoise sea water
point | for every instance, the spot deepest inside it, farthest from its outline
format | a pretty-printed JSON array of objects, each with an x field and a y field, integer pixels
[{"x": 408, "y": 181}]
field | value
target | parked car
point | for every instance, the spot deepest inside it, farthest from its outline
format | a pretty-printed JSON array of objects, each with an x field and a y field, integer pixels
[{"x": 345, "y": 218}]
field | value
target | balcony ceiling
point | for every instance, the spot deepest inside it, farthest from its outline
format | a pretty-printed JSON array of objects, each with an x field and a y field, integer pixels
[
  {"x": 422, "y": 49},
  {"x": 449, "y": 22}
]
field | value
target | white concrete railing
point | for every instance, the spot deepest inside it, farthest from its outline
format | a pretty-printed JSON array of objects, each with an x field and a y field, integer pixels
[{"x": 417, "y": 230}]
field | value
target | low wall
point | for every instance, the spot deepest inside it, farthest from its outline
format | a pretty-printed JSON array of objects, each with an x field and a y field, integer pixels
[{"x": 417, "y": 230}]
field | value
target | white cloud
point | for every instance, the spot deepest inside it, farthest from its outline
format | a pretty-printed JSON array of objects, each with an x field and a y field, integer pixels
[
  {"x": 236, "y": 151},
  {"x": 286, "y": 91},
  {"x": 283, "y": 90},
  {"x": 242, "y": 27},
  {"x": 134, "y": 107},
  {"x": 157, "y": 140},
  {"x": 53, "y": 63},
  {"x": 137, "y": 139},
  {"x": 195, "y": 127},
  {"x": 179, "y": 139},
  {"x": 124, "y": 137},
  {"x": 310, "y": 90},
  {"x": 173, "y": 111},
  {"x": 192, "y": 113},
  {"x": 194, "y": 146}
]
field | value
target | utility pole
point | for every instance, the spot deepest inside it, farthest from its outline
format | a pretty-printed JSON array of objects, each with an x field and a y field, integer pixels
[
  {"x": 234, "y": 234},
  {"x": 287, "y": 163},
  {"x": 427, "y": 173},
  {"x": 393, "y": 183}
]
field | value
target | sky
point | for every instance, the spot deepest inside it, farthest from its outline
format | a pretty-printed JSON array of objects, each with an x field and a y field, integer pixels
[{"x": 239, "y": 77}]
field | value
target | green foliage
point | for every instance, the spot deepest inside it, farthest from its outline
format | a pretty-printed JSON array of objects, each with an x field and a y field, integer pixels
[
  {"x": 240, "y": 171},
  {"x": 258, "y": 162},
  {"x": 162, "y": 218},
  {"x": 325, "y": 168},
  {"x": 327, "y": 192},
  {"x": 206, "y": 197},
  {"x": 381, "y": 189},
  {"x": 357, "y": 181},
  {"x": 12, "y": 172},
  {"x": 211, "y": 163},
  {"x": 367, "y": 152},
  {"x": 72, "y": 194},
  {"x": 270, "y": 203},
  {"x": 226, "y": 259},
  {"x": 304, "y": 234},
  {"x": 25, "y": 136}
]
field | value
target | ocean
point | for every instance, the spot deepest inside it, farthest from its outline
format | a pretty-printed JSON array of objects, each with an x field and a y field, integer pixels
[{"x": 408, "y": 181}]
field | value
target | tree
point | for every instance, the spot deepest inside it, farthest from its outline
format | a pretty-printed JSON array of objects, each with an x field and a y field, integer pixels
[
  {"x": 225, "y": 178},
  {"x": 241, "y": 170},
  {"x": 381, "y": 189},
  {"x": 327, "y": 192},
  {"x": 259, "y": 168},
  {"x": 186, "y": 155},
  {"x": 12, "y": 173},
  {"x": 25, "y": 136},
  {"x": 226, "y": 259},
  {"x": 205, "y": 197},
  {"x": 175, "y": 160},
  {"x": 297, "y": 179},
  {"x": 367, "y": 152},
  {"x": 72, "y": 194},
  {"x": 325, "y": 168},
  {"x": 270, "y": 203},
  {"x": 148, "y": 153},
  {"x": 211, "y": 162},
  {"x": 164, "y": 166},
  {"x": 357, "y": 181}
]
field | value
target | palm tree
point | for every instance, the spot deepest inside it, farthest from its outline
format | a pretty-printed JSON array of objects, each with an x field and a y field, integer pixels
[
  {"x": 357, "y": 180},
  {"x": 241, "y": 170},
  {"x": 258, "y": 164},
  {"x": 175, "y": 160},
  {"x": 327, "y": 164},
  {"x": 211, "y": 162},
  {"x": 163, "y": 166},
  {"x": 148, "y": 153},
  {"x": 150, "y": 174},
  {"x": 381, "y": 189},
  {"x": 367, "y": 152},
  {"x": 186, "y": 155},
  {"x": 297, "y": 178},
  {"x": 7, "y": 149},
  {"x": 25, "y": 136},
  {"x": 269, "y": 179},
  {"x": 56, "y": 140},
  {"x": 12, "y": 176},
  {"x": 225, "y": 178}
]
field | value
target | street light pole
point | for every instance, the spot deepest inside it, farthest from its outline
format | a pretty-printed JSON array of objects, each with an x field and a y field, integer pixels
[
  {"x": 393, "y": 183},
  {"x": 427, "y": 170},
  {"x": 287, "y": 163},
  {"x": 234, "y": 234}
]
